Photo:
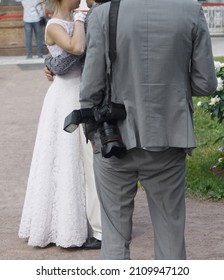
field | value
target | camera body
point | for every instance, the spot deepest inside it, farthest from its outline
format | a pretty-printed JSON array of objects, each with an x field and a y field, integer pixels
[
  {"x": 110, "y": 112},
  {"x": 106, "y": 116}
]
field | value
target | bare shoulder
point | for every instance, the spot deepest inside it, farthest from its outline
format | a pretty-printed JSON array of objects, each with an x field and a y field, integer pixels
[{"x": 53, "y": 31}]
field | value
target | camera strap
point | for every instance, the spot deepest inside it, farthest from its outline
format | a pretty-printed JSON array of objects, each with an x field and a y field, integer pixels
[{"x": 113, "y": 18}]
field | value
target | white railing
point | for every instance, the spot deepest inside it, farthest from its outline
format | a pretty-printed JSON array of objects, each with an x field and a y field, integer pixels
[{"x": 214, "y": 15}]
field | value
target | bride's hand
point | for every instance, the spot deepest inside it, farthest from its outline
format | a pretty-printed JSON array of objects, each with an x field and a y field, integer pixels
[{"x": 79, "y": 16}]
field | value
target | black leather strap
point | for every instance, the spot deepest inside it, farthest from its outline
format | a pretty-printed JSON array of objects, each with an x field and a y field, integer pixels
[{"x": 113, "y": 15}]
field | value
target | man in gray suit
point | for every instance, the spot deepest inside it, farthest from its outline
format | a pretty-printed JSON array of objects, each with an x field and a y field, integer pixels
[{"x": 164, "y": 57}]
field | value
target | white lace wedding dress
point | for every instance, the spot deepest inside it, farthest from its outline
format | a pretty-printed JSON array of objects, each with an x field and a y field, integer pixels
[{"x": 54, "y": 209}]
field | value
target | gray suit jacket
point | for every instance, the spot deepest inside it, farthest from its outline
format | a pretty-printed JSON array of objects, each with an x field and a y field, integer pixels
[{"x": 164, "y": 57}]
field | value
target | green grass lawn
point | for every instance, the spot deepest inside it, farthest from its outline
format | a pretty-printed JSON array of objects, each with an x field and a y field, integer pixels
[
  {"x": 200, "y": 181},
  {"x": 220, "y": 58}
]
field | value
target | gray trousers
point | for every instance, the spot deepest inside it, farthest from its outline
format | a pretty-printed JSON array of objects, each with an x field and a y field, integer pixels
[{"x": 162, "y": 175}]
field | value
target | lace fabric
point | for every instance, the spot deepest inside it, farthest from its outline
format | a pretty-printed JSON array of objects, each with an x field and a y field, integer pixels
[
  {"x": 55, "y": 50},
  {"x": 54, "y": 209},
  {"x": 62, "y": 64}
]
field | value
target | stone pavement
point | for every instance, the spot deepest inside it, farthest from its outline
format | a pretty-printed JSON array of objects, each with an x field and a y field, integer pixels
[{"x": 22, "y": 90}]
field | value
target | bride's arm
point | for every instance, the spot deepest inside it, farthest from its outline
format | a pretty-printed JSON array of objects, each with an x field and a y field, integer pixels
[{"x": 55, "y": 34}]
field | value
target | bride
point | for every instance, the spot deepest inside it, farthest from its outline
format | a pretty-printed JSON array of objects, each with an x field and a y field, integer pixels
[{"x": 54, "y": 210}]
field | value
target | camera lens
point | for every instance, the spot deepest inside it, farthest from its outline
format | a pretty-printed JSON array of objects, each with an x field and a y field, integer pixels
[{"x": 111, "y": 141}]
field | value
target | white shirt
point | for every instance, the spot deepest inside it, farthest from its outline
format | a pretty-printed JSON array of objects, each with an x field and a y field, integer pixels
[{"x": 30, "y": 12}]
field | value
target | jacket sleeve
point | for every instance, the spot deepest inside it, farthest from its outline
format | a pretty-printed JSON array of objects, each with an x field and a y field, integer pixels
[
  {"x": 62, "y": 63},
  {"x": 202, "y": 70}
]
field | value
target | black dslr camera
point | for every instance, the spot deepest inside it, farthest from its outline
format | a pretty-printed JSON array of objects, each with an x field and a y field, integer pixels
[{"x": 106, "y": 116}]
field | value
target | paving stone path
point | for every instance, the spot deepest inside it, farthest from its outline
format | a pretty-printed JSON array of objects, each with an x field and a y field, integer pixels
[{"x": 22, "y": 90}]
